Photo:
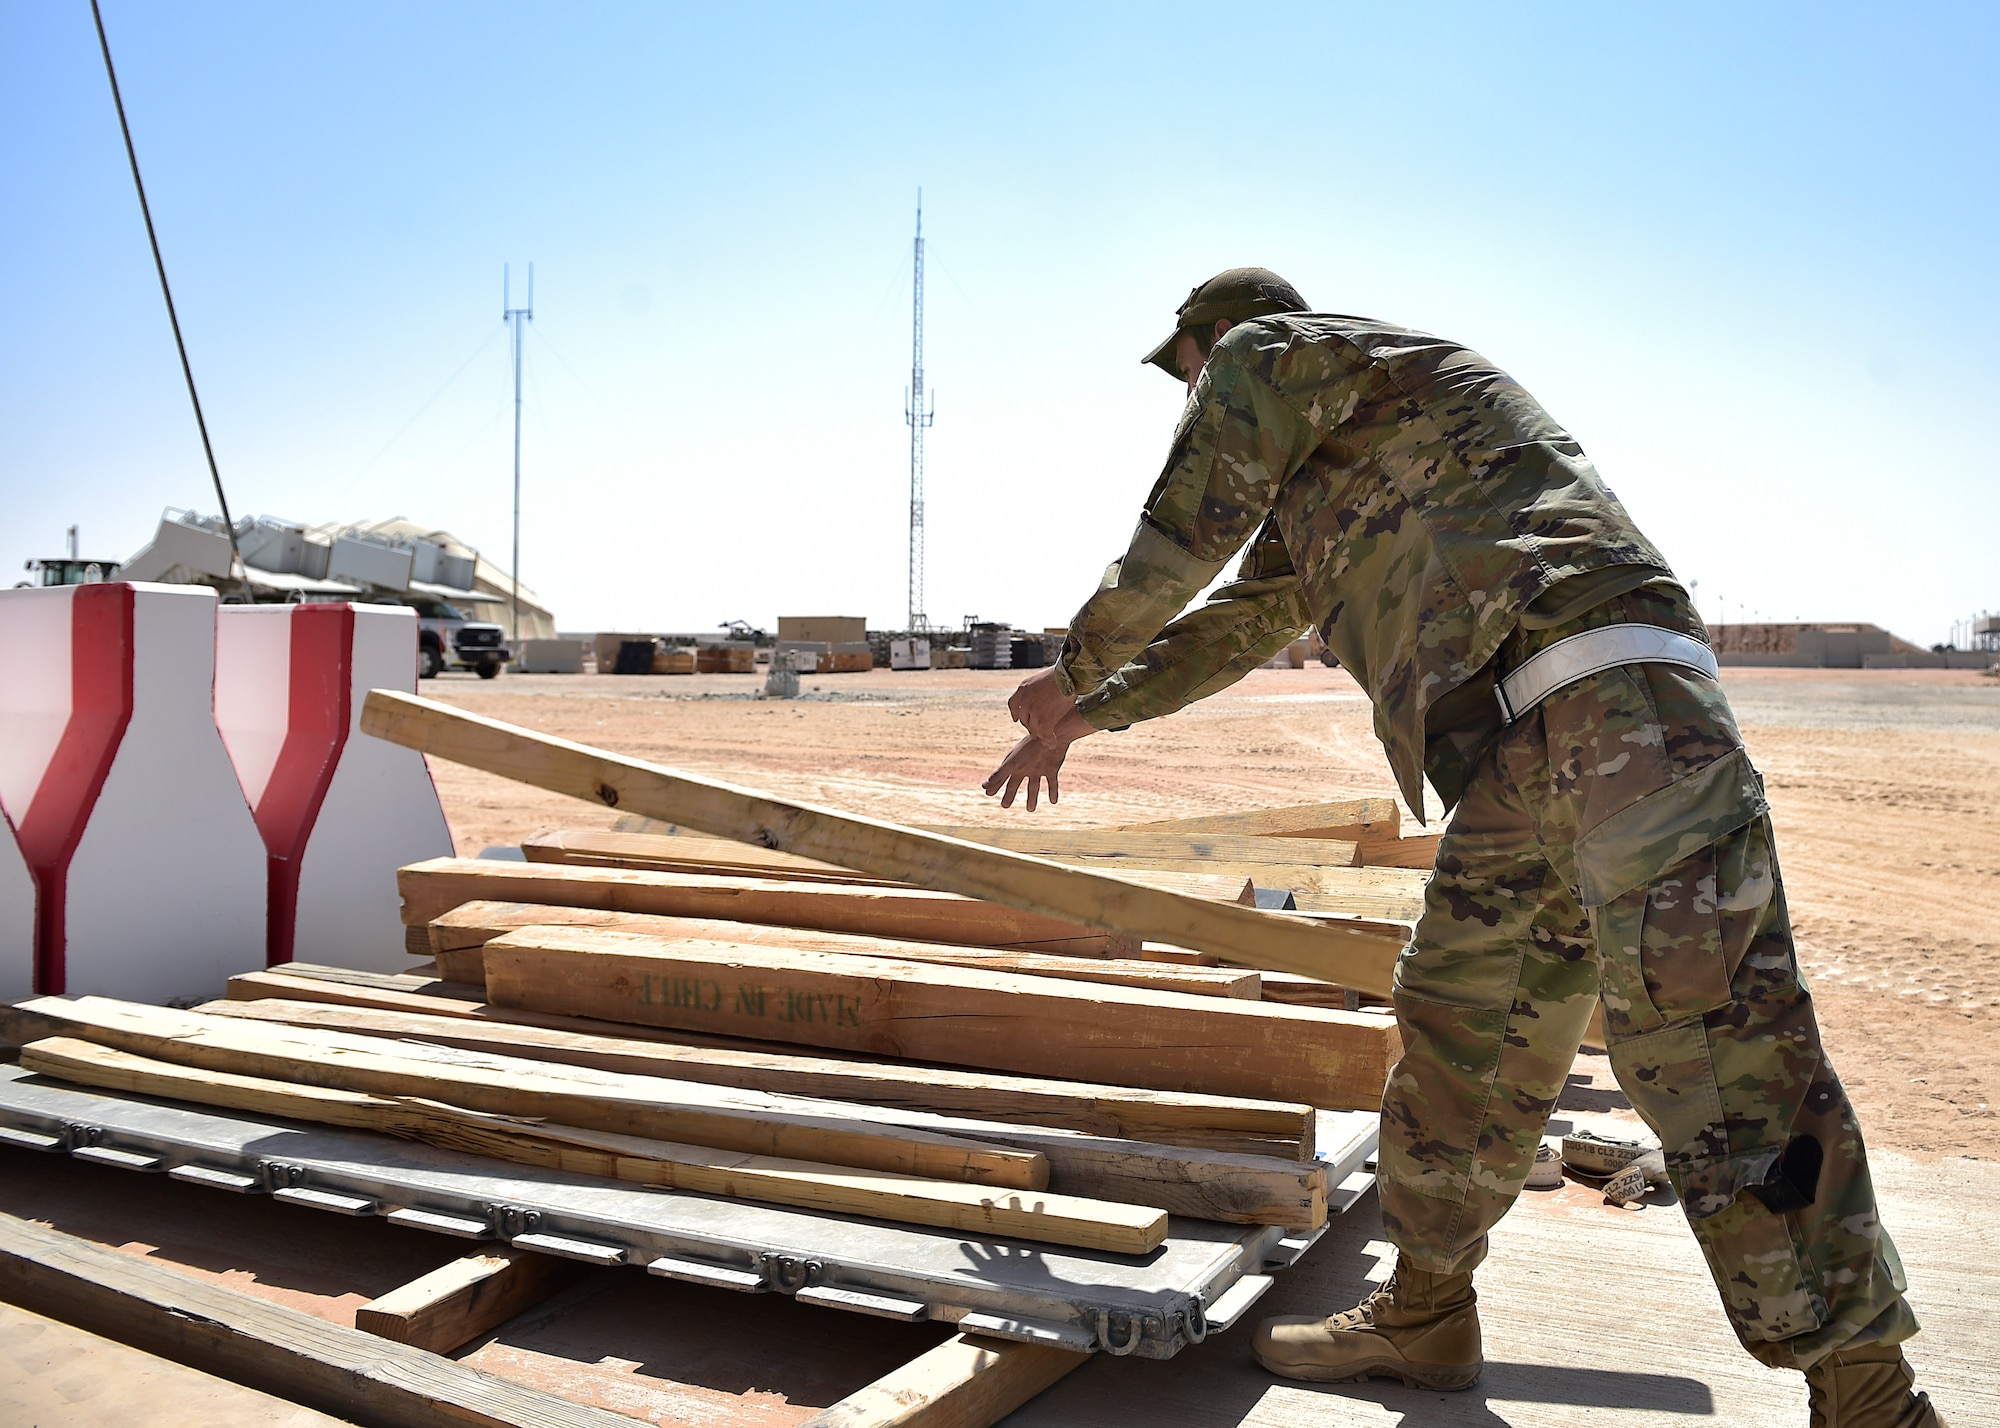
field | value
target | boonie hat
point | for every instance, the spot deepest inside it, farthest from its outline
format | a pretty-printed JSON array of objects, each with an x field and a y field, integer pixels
[{"x": 1236, "y": 294}]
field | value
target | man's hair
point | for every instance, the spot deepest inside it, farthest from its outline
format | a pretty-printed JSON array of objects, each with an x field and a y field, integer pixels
[{"x": 1203, "y": 334}]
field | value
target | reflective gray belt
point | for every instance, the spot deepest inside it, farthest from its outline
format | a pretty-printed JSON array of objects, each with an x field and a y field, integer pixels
[{"x": 1592, "y": 652}]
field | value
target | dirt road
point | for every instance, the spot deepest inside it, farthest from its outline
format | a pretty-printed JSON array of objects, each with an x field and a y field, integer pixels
[{"x": 1885, "y": 787}]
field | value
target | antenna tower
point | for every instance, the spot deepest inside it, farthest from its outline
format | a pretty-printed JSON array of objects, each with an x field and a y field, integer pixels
[
  {"x": 919, "y": 418},
  {"x": 514, "y": 317}
]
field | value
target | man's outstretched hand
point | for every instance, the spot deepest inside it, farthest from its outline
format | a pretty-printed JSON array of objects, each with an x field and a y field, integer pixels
[
  {"x": 1050, "y": 717},
  {"x": 1029, "y": 762}
]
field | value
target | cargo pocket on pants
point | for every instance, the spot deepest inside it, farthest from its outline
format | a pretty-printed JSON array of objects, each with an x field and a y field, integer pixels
[
  {"x": 1752, "y": 1250},
  {"x": 1661, "y": 951},
  {"x": 1755, "y": 1258},
  {"x": 1671, "y": 949}
]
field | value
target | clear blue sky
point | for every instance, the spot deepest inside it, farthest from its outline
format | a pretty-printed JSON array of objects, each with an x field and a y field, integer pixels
[{"x": 1745, "y": 252}]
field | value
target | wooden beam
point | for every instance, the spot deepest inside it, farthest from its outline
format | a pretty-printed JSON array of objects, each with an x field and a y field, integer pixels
[
  {"x": 1292, "y": 877},
  {"x": 328, "y": 1367},
  {"x": 431, "y": 889},
  {"x": 1206, "y": 883},
  {"x": 718, "y": 856},
  {"x": 962, "y": 1383},
  {"x": 1221, "y": 1123},
  {"x": 457, "y": 1302},
  {"x": 1304, "y": 991},
  {"x": 281, "y": 983},
  {"x": 1200, "y": 1184},
  {"x": 653, "y": 1107},
  {"x": 452, "y": 999},
  {"x": 459, "y": 937},
  {"x": 425, "y": 983},
  {"x": 682, "y": 853},
  {"x": 1371, "y": 894},
  {"x": 1388, "y": 850},
  {"x": 1310, "y": 820},
  {"x": 1128, "y": 1035},
  {"x": 1254, "y": 938},
  {"x": 1116, "y": 844},
  {"x": 907, "y": 1199}
]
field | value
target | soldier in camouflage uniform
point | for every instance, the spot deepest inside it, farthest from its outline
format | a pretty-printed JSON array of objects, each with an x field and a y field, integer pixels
[{"x": 1611, "y": 844}]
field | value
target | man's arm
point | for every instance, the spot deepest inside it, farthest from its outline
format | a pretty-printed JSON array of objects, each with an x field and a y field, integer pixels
[
  {"x": 1237, "y": 443},
  {"x": 1237, "y": 629}
]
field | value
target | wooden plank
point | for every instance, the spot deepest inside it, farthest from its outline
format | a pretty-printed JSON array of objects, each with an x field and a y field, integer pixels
[
  {"x": 654, "y": 1107},
  {"x": 1303, "y": 991},
  {"x": 1375, "y": 894},
  {"x": 278, "y": 982},
  {"x": 1155, "y": 847},
  {"x": 431, "y": 889},
  {"x": 1247, "y": 935},
  {"x": 252, "y": 986},
  {"x": 1177, "y": 956},
  {"x": 962, "y": 1383},
  {"x": 43, "y": 1361},
  {"x": 678, "y": 851},
  {"x": 1208, "y": 883},
  {"x": 1294, "y": 877},
  {"x": 459, "y": 936},
  {"x": 1200, "y": 1184},
  {"x": 688, "y": 853},
  {"x": 426, "y": 983},
  {"x": 1247, "y": 1127},
  {"x": 457, "y": 1302},
  {"x": 1387, "y": 850},
  {"x": 329, "y": 1367},
  {"x": 941, "y": 1204},
  {"x": 1130, "y": 1035},
  {"x": 1347, "y": 816}
]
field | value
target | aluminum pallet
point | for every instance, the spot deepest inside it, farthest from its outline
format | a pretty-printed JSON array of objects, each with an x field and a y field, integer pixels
[{"x": 1199, "y": 1282}]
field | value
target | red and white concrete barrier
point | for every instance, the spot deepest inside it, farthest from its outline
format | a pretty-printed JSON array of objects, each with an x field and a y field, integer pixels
[
  {"x": 17, "y": 918},
  {"x": 339, "y": 811},
  {"x": 147, "y": 864}
]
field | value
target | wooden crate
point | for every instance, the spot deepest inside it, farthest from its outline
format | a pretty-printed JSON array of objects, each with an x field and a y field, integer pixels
[{"x": 725, "y": 659}]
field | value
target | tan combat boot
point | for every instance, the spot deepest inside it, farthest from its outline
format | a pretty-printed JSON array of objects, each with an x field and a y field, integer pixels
[
  {"x": 1868, "y": 1387},
  {"x": 1420, "y": 1327}
]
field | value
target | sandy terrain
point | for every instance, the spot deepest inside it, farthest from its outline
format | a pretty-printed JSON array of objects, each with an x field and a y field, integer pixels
[{"x": 1885, "y": 786}]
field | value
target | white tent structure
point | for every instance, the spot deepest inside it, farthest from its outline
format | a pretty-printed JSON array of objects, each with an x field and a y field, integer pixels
[{"x": 358, "y": 560}]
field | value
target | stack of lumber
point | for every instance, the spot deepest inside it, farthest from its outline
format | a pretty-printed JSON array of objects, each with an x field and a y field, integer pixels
[
  {"x": 1013, "y": 1033},
  {"x": 777, "y": 1028},
  {"x": 783, "y": 1003}
]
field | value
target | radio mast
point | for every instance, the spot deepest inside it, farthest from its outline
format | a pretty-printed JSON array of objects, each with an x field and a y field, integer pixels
[
  {"x": 514, "y": 317},
  {"x": 919, "y": 418}
]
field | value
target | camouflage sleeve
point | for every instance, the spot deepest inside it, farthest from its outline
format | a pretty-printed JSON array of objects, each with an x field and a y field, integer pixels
[
  {"x": 1236, "y": 629},
  {"x": 1237, "y": 441}
]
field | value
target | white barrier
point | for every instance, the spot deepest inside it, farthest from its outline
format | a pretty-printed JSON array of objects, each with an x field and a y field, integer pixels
[
  {"x": 147, "y": 864},
  {"x": 17, "y": 918},
  {"x": 339, "y": 811}
]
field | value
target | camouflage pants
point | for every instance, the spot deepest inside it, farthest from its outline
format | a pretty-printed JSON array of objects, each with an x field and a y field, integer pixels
[{"x": 1614, "y": 845}]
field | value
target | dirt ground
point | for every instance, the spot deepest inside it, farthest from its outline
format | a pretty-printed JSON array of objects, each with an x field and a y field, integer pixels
[{"x": 1885, "y": 787}]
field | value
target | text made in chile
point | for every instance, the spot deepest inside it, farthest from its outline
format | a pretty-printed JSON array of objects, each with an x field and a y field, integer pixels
[{"x": 704, "y": 994}]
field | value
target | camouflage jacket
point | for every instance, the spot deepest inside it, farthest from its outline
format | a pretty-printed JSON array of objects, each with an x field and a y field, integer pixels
[{"x": 1394, "y": 489}]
